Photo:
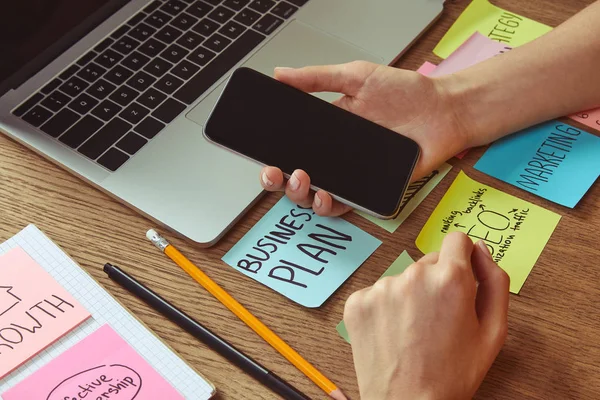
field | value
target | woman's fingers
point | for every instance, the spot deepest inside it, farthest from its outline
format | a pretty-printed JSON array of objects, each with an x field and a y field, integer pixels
[
  {"x": 325, "y": 205},
  {"x": 271, "y": 179},
  {"x": 298, "y": 189}
]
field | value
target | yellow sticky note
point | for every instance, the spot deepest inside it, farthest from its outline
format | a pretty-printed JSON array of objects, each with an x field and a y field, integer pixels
[
  {"x": 493, "y": 22},
  {"x": 514, "y": 230}
]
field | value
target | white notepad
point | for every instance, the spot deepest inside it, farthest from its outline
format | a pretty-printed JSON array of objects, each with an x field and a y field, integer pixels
[{"x": 104, "y": 309}]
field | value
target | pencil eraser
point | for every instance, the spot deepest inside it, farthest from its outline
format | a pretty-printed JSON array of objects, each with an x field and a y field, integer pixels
[{"x": 151, "y": 234}]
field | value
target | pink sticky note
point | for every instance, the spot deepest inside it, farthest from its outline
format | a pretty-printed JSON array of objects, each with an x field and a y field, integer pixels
[
  {"x": 35, "y": 310},
  {"x": 427, "y": 68},
  {"x": 101, "y": 366},
  {"x": 590, "y": 118},
  {"x": 476, "y": 49}
]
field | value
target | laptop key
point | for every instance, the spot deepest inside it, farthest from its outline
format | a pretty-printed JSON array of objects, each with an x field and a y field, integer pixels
[
  {"x": 134, "y": 113},
  {"x": 136, "y": 19},
  {"x": 105, "y": 138},
  {"x": 232, "y": 30},
  {"x": 168, "y": 110},
  {"x": 185, "y": 70},
  {"x": 158, "y": 19},
  {"x": 124, "y": 95},
  {"x": 53, "y": 84},
  {"x": 37, "y": 116},
  {"x": 217, "y": 43},
  {"x": 109, "y": 58},
  {"x": 152, "y": 98},
  {"x": 247, "y": 17},
  {"x": 125, "y": 45},
  {"x": 91, "y": 72},
  {"x": 152, "y": 6},
  {"x": 221, "y": 14},
  {"x": 236, "y": 5},
  {"x": 184, "y": 21},
  {"x": 201, "y": 56},
  {"x": 168, "y": 84},
  {"x": 123, "y": 29},
  {"x": 69, "y": 72},
  {"x": 103, "y": 45},
  {"x": 173, "y": 7},
  {"x": 199, "y": 9},
  {"x": 174, "y": 53},
  {"x": 203, "y": 80},
  {"x": 168, "y": 34},
  {"x": 284, "y": 10},
  {"x": 58, "y": 124},
  {"x": 214, "y": 2},
  {"x": 89, "y": 56},
  {"x": 56, "y": 101},
  {"x": 131, "y": 143},
  {"x": 81, "y": 131},
  {"x": 113, "y": 159},
  {"x": 206, "y": 27},
  {"x": 106, "y": 110},
  {"x": 74, "y": 86},
  {"x": 149, "y": 127},
  {"x": 142, "y": 32},
  {"x": 299, "y": 3},
  {"x": 152, "y": 48},
  {"x": 135, "y": 61},
  {"x": 141, "y": 81},
  {"x": 262, "y": 6},
  {"x": 101, "y": 89},
  {"x": 158, "y": 67},
  {"x": 118, "y": 75},
  {"x": 190, "y": 40},
  {"x": 83, "y": 103},
  {"x": 32, "y": 101},
  {"x": 268, "y": 24}
]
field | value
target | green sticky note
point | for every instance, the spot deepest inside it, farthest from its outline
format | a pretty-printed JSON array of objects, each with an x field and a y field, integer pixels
[
  {"x": 402, "y": 262},
  {"x": 493, "y": 22},
  {"x": 415, "y": 194}
]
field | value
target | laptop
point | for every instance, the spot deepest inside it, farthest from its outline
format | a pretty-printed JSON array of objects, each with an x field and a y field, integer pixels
[{"x": 117, "y": 91}]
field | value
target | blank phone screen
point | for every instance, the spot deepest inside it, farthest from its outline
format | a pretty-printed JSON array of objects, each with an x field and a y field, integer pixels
[{"x": 344, "y": 154}]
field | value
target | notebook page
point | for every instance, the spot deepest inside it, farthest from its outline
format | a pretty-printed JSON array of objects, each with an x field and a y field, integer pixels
[{"x": 104, "y": 309}]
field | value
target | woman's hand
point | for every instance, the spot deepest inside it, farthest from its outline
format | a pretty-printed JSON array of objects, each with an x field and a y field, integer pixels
[
  {"x": 404, "y": 101},
  {"x": 433, "y": 331}
]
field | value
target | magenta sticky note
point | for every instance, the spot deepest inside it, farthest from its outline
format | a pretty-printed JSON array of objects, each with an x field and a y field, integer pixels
[
  {"x": 101, "y": 366},
  {"x": 427, "y": 68},
  {"x": 590, "y": 118},
  {"x": 35, "y": 310}
]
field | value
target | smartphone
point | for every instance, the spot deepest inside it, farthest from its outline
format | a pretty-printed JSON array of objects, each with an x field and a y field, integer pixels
[{"x": 358, "y": 162}]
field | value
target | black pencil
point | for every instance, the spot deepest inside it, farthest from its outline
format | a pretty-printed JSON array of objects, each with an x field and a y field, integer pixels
[{"x": 247, "y": 364}]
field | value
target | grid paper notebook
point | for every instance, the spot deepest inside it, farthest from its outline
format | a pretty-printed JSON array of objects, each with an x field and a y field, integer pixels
[{"x": 104, "y": 309}]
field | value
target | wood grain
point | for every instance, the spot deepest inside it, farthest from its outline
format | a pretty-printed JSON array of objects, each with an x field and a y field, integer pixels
[{"x": 552, "y": 351}]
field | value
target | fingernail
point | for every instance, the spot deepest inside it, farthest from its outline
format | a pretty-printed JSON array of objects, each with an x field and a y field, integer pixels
[
  {"x": 484, "y": 248},
  {"x": 282, "y": 68},
  {"x": 294, "y": 182},
  {"x": 266, "y": 179},
  {"x": 318, "y": 200}
]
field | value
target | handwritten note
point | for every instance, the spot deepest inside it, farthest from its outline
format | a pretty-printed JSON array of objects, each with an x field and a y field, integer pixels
[
  {"x": 35, "y": 310},
  {"x": 402, "y": 262},
  {"x": 101, "y": 366},
  {"x": 553, "y": 160},
  {"x": 494, "y": 22},
  {"x": 301, "y": 255},
  {"x": 590, "y": 118},
  {"x": 515, "y": 231},
  {"x": 415, "y": 194}
]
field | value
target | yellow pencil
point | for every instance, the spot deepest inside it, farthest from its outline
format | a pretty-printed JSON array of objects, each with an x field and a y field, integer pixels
[{"x": 234, "y": 306}]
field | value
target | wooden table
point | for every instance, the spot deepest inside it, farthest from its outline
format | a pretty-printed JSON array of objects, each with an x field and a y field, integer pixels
[{"x": 553, "y": 347}]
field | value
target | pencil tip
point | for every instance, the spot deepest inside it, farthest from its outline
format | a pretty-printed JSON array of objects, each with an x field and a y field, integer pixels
[{"x": 338, "y": 395}]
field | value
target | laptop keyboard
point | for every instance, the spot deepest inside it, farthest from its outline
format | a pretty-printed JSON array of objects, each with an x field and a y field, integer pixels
[{"x": 122, "y": 93}]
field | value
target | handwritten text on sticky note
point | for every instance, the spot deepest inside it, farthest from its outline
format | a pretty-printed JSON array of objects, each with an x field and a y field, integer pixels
[
  {"x": 35, "y": 310},
  {"x": 301, "y": 255},
  {"x": 590, "y": 118},
  {"x": 101, "y": 366},
  {"x": 494, "y": 22},
  {"x": 553, "y": 160},
  {"x": 515, "y": 231}
]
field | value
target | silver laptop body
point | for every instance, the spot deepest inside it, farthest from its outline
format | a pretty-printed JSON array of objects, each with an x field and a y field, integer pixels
[{"x": 179, "y": 180}]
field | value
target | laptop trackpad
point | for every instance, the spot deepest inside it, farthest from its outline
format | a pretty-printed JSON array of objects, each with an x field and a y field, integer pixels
[{"x": 297, "y": 45}]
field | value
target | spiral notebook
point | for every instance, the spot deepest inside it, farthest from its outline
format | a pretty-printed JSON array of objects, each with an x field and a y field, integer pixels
[{"x": 105, "y": 310}]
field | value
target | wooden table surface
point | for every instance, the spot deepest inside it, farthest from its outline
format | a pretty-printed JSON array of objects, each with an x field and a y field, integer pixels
[{"x": 552, "y": 351}]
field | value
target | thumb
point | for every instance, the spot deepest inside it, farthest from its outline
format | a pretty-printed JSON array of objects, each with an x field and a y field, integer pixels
[
  {"x": 491, "y": 303},
  {"x": 340, "y": 78}
]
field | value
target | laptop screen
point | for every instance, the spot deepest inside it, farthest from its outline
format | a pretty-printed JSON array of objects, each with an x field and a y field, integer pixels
[{"x": 31, "y": 26}]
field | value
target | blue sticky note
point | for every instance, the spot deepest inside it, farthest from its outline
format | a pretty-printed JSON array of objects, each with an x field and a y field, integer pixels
[
  {"x": 301, "y": 255},
  {"x": 553, "y": 160}
]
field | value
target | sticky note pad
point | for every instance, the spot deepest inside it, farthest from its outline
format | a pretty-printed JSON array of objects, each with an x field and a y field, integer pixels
[
  {"x": 514, "y": 230},
  {"x": 415, "y": 194},
  {"x": 553, "y": 160},
  {"x": 427, "y": 68},
  {"x": 402, "y": 262},
  {"x": 590, "y": 118},
  {"x": 299, "y": 254},
  {"x": 101, "y": 366},
  {"x": 35, "y": 310},
  {"x": 491, "y": 21}
]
